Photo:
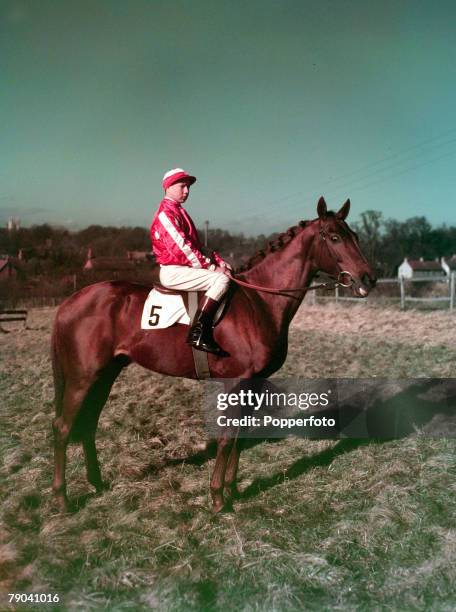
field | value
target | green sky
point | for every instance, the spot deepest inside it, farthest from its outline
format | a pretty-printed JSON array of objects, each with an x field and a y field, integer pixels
[{"x": 269, "y": 103}]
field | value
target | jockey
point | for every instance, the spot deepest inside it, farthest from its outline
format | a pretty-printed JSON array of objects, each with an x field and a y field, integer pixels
[{"x": 183, "y": 266}]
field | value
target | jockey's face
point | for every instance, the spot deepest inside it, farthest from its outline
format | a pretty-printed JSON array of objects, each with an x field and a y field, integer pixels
[{"x": 178, "y": 191}]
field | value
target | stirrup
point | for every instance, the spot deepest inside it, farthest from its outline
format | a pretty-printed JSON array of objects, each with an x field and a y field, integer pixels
[
  {"x": 196, "y": 340},
  {"x": 214, "y": 348}
]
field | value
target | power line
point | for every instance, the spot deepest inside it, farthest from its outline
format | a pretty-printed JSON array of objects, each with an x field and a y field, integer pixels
[
  {"x": 399, "y": 153},
  {"x": 406, "y": 159},
  {"x": 404, "y": 171},
  {"x": 353, "y": 184}
]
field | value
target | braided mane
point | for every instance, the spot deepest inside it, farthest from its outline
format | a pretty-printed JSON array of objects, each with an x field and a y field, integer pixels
[{"x": 273, "y": 245}]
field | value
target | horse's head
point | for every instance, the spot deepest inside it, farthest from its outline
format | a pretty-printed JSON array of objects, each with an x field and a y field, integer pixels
[{"x": 337, "y": 251}]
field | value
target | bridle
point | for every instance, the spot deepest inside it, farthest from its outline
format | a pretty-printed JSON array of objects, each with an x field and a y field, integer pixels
[
  {"x": 336, "y": 282},
  {"x": 324, "y": 234}
]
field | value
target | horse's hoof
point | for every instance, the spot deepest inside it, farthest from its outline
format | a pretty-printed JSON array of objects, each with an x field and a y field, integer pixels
[
  {"x": 231, "y": 493},
  {"x": 62, "y": 503},
  {"x": 102, "y": 487},
  {"x": 217, "y": 507},
  {"x": 222, "y": 508}
]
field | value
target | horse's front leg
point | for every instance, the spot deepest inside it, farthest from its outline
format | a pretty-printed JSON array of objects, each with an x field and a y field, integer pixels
[
  {"x": 230, "y": 485},
  {"x": 224, "y": 446}
]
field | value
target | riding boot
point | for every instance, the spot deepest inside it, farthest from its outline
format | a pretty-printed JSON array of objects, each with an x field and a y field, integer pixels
[{"x": 200, "y": 335}]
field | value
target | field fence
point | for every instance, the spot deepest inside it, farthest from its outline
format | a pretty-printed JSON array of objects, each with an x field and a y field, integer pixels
[
  {"x": 37, "y": 302},
  {"x": 393, "y": 291},
  {"x": 434, "y": 290},
  {"x": 51, "y": 291}
]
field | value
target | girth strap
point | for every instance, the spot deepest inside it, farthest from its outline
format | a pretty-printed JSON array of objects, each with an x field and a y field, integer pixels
[{"x": 199, "y": 357}]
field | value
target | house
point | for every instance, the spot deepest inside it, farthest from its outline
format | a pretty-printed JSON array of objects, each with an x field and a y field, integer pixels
[
  {"x": 107, "y": 264},
  {"x": 7, "y": 270},
  {"x": 139, "y": 256},
  {"x": 112, "y": 264},
  {"x": 420, "y": 269},
  {"x": 449, "y": 265},
  {"x": 10, "y": 267}
]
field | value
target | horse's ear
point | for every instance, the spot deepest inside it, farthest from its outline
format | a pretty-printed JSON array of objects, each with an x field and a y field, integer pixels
[
  {"x": 322, "y": 208},
  {"x": 343, "y": 212}
]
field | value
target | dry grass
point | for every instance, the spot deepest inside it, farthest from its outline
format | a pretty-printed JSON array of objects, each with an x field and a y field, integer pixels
[
  {"x": 320, "y": 524},
  {"x": 433, "y": 328},
  {"x": 359, "y": 341}
]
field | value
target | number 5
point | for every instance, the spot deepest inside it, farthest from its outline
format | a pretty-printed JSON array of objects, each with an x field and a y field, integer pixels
[{"x": 154, "y": 317}]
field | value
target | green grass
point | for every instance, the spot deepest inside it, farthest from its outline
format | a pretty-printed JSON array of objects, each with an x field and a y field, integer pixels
[{"x": 341, "y": 525}]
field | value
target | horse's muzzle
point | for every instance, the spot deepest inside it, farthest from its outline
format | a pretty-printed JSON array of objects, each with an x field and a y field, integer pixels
[{"x": 362, "y": 287}]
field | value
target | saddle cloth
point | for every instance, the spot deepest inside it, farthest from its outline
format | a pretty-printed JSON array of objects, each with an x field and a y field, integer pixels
[{"x": 162, "y": 310}]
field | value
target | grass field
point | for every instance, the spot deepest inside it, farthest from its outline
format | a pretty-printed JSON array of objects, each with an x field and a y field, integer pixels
[{"x": 340, "y": 525}]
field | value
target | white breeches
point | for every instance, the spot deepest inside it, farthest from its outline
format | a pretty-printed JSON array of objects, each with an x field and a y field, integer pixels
[{"x": 215, "y": 284}]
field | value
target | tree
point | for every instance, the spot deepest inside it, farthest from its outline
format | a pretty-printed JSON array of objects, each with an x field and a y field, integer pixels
[{"x": 370, "y": 236}]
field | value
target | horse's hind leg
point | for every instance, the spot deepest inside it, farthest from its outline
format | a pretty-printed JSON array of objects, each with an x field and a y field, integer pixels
[
  {"x": 73, "y": 398},
  {"x": 92, "y": 464},
  {"x": 81, "y": 408},
  {"x": 89, "y": 416}
]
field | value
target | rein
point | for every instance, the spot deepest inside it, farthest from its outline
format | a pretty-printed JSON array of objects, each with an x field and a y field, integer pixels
[{"x": 332, "y": 285}]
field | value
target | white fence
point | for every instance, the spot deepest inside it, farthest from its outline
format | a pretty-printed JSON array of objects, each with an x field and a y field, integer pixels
[{"x": 401, "y": 282}]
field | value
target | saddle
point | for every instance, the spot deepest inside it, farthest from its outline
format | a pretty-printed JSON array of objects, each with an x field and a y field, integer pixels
[
  {"x": 167, "y": 291},
  {"x": 165, "y": 307}
]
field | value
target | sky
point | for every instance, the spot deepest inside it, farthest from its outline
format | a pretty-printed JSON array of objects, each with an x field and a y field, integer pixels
[{"x": 269, "y": 103}]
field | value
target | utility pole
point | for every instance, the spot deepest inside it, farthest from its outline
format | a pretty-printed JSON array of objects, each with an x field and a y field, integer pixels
[
  {"x": 452, "y": 283},
  {"x": 206, "y": 231},
  {"x": 402, "y": 293}
]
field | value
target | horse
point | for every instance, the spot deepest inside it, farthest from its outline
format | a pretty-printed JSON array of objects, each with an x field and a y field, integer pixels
[{"x": 97, "y": 333}]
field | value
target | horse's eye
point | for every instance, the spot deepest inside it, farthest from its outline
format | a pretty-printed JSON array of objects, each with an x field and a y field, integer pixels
[{"x": 335, "y": 238}]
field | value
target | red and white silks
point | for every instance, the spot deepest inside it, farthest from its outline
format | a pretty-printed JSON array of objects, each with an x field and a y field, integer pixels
[
  {"x": 175, "y": 244},
  {"x": 175, "y": 239}
]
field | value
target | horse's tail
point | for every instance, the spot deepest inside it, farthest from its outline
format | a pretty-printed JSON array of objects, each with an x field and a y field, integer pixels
[{"x": 57, "y": 370}]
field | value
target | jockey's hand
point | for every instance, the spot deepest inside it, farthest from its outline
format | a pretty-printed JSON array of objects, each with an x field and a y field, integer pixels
[
  {"x": 221, "y": 269},
  {"x": 226, "y": 266}
]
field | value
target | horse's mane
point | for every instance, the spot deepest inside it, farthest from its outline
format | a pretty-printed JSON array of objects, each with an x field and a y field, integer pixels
[{"x": 273, "y": 245}]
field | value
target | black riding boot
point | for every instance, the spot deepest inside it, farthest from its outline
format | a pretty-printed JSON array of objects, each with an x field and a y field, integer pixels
[{"x": 200, "y": 334}]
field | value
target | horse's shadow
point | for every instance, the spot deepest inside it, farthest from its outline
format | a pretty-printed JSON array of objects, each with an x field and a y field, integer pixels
[
  {"x": 299, "y": 467},
  {"x": 427, "y": 406},
  {"x": 79, "y": 502}
]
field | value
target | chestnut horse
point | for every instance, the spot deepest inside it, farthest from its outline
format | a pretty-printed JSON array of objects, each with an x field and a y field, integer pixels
[{"x": 97, "y": 332}]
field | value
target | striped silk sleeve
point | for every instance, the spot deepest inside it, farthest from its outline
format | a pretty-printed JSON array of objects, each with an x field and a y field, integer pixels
[{"x": 180, "y": 245}]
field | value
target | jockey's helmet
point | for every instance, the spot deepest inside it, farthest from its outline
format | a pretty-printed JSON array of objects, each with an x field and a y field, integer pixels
[{"x": 176, "y": 175}]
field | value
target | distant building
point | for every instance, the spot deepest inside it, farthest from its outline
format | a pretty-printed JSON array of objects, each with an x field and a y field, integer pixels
[
  {"x": 133, "y": 261},
  {"x": 14, "y": 223},
  {"x": 138, "y": 255},
  {"x": 449, "y": 265},
  {"x": 8, "y": 267},
  {"x": 419, "y": 268},
  {"x": 107, "y": 264}
]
